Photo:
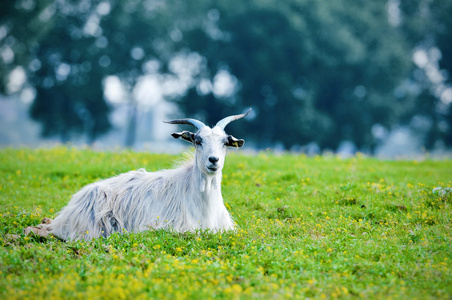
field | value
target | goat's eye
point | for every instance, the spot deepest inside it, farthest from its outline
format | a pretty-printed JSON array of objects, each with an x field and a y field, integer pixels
[{"x": 198, "y": 142}]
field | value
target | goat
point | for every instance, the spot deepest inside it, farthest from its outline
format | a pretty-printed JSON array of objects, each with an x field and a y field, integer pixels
[{"x": 184, "y": 199}]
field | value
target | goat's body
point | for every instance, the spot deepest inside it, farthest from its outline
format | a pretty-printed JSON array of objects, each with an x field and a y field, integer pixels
[
  {"x": 183, "y": 199},
  {"x": 139, "y": 200}
]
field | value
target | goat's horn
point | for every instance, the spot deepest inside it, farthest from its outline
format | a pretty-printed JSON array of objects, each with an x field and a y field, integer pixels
[
  {"x": 223, "y": 122},
  {"x": 193, "y": 122}
]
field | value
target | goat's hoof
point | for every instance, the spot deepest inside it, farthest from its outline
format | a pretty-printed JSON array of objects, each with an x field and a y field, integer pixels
[
  {"x": 36, "y": 231},
  {"x": 46, "y": 221}
]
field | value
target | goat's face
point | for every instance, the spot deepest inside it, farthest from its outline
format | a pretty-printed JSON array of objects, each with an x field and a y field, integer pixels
[
  {"x": 210, "y": 147},
  {"x": 210, "y": 143}
]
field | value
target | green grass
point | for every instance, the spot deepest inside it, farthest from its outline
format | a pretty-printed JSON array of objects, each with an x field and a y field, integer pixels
[{"x": 319, "y": 227}]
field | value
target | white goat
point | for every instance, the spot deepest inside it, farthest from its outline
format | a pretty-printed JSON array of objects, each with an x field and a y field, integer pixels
[{"x": 183, "y": 199}]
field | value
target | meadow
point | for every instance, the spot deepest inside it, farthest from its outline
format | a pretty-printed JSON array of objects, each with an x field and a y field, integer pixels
[{"x": 307, "y": 227}]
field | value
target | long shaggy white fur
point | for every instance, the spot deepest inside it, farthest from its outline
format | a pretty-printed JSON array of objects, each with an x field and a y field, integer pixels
[
  {"x": 139, "y": 200},
  {"x": 183, "y": 199}
]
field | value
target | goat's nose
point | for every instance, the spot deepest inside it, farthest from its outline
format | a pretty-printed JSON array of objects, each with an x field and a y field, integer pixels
[{"x": 213, "y": 159}]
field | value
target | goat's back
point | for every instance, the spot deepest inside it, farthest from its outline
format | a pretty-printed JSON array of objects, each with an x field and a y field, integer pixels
[{"x": 132, "y": 201}]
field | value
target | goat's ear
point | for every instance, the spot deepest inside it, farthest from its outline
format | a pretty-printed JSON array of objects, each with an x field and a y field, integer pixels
[
  {"x": 233, "y": 142},
  {"x": 185, "y": 135}
]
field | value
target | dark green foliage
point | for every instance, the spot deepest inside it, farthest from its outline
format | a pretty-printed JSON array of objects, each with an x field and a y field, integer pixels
[{"x": 313, "y": 71}]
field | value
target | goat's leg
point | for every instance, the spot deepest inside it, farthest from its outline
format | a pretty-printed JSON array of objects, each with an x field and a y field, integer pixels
[{"x": 40, "y": 230}]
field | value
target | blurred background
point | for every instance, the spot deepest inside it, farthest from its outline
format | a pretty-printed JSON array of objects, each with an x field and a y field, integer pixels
[{"x": 338, "y": 76}]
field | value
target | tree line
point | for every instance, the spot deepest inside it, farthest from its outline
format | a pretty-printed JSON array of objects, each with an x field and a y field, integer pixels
[{"x": 313, "y": 71}]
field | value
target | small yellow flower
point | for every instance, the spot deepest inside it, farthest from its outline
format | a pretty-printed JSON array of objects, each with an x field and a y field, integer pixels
[{"x": 237, "y": 289}]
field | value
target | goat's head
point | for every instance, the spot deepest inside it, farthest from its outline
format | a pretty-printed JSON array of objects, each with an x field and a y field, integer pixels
[{"x": 210, "y": 143}]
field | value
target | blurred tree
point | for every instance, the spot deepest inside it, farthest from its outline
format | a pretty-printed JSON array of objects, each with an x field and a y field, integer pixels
[
  {"x": 69, "y": 47},
  {"x": 22, "y": 25},
  {"x": 53, "y": 42},
  {"x": 428, "y": 28},
  {"x": 136, "y": 34},
  {"x": 79, "y": 44},
  {"x": 69, "y": 95},
  {"x": 313, "y": 71}
]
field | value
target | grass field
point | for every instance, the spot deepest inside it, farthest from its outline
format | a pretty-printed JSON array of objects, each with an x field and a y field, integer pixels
[{"x": 317, "y": 227}]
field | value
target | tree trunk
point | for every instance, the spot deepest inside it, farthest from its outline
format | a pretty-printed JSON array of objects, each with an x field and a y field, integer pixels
[{"x": 132, "y": 126}]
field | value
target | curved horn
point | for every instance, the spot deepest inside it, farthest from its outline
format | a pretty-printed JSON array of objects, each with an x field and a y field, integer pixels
[
  {"x": 223, "y": 122},
  {"x": 192, "y": 122}
]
